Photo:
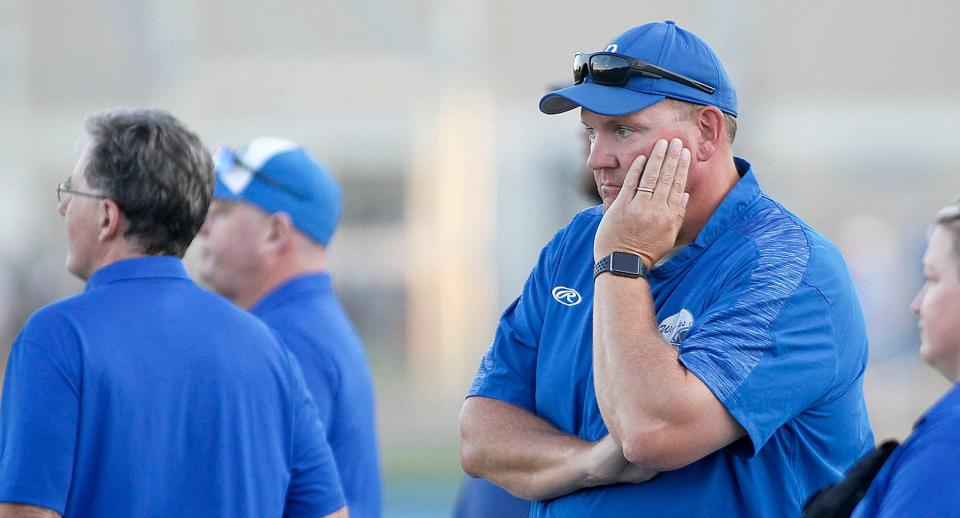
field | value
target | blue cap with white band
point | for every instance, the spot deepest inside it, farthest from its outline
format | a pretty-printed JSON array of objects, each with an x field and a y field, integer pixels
[{"x": 279, "y": 176}]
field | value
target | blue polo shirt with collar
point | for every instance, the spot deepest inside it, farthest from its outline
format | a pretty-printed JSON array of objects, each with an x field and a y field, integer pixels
[
  {"x": 305, "y": 313},
  {"x": 922, "y": 476},
  {"x": 148, "y": 396},
  {"x": 760, "y": 307}
]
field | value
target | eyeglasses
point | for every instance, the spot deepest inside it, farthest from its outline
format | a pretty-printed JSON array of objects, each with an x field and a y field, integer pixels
[
  {"x": 63, "y": 188},
  {"x": 609, "y": 68},
  {"x": 225, "y": 159}
]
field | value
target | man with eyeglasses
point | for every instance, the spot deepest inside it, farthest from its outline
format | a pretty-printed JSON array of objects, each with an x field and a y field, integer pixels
[
  {"x": 146, "y": 395},
  {"x": 687, "y": 348},
  {"x": 264, "y": 246}
]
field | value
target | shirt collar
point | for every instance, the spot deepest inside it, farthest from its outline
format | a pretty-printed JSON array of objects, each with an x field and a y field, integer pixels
[
  {"x": 152, "y": 266},
  {"x": 315, "y": 283},
  {"x": 743, "y": 194}
]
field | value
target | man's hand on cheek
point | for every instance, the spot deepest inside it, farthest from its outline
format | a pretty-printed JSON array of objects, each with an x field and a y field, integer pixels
[{"x": 648, "y": 213}]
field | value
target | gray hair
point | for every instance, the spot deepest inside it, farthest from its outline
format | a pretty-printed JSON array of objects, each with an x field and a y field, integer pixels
[{"x": 156, "y": 171}]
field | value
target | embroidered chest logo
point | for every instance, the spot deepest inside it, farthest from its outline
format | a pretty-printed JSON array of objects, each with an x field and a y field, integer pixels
[
  {"x": 566, "y": 296},
  {"x": 675, "y": 327}
]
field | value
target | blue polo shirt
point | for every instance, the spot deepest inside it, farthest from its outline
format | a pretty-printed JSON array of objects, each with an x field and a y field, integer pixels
[
  {"x": 922, "y": 476},
  {"x": 306, "y": 314},
  {"x": 148, "y": 396},
  {"x": 760, "y": 307}
]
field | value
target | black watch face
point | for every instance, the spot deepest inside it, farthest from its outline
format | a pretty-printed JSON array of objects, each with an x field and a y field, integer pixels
[{"x": 627, "y": 263}]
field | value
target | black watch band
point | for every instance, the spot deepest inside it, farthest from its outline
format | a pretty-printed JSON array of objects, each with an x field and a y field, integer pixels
[{"x": 623, "y": 264}]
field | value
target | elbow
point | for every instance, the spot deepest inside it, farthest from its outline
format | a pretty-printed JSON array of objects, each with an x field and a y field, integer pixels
[
  {"x": 651, "y": 450},
  {"x": 636, "y": 443},
  {"x": 469, "y": 462},
  {"x": 636, "y": 452},
  {"x": 469, "y": 450},
  {"x": 647, "y": 441}
]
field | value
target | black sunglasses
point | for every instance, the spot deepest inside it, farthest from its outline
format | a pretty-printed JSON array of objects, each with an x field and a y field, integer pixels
[{"x": 612, "y": 69}]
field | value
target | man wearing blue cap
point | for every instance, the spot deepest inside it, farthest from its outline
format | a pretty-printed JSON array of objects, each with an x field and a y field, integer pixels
[
  {"x": 275, "y": 210},
  {"x": 146, "y": 395},
  {"x": 688, "y": 347}
]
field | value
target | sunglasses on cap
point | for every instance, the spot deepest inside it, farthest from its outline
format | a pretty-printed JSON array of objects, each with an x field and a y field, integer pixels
[
  {"x": 226, "y": 162},
  {"x": 612, "y": 69}
]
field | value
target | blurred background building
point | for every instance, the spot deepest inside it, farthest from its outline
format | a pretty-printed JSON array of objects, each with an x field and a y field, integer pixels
[{"x": 427, "y": 113}]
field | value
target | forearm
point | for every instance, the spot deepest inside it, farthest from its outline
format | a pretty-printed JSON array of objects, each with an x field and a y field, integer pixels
[
  {"x": 521, "y": 452},
  {"x": 650, "y": 403},
  {"x": 26, "y": 511}
]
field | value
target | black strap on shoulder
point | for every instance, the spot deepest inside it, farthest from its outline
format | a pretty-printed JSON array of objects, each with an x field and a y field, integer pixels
[{"x": 840, "y": 499}]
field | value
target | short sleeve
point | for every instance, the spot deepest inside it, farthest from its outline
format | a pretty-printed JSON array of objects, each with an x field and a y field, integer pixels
[
  {"x": 508, "y": 369},
  {"x": 315, "y": 488},
  {"x": 39, "y": 419},
  {"x": 766, "y": 350}
]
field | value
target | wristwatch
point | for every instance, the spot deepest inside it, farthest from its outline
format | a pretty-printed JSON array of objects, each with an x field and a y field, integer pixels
[{"x": 623, "y": 264}]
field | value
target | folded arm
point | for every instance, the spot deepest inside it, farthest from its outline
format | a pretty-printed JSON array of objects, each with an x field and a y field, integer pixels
[
  {"x": 663, "y": 416},
  {"x": 530, "y": 458}
]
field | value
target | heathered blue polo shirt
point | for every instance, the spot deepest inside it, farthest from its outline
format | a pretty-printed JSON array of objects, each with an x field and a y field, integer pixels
[
  {"x": 306, "y": 314},
  {"x": 761, "y": 308},
  {"x": 922, "y": 476},
  {"x": 148, "y": 396}
]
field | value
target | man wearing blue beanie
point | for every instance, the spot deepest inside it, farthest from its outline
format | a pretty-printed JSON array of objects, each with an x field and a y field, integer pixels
[
  {"x": 687, "y": 348},
  {"x": 264, "y": 243}
]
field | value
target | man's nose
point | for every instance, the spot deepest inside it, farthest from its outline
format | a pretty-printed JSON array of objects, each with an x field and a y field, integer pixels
[
  {"x": 601, "y": 155},
  {"x": 917, "y": 300}
]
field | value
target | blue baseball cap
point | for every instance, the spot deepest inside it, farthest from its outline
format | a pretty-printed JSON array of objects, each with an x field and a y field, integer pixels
[
  {"x": 279, "y": 176},
  {"x": 663, "y": 44}
]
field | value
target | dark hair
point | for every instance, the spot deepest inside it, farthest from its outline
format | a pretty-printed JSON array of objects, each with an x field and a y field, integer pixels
[
  {"x": 156, "y": 170},
  {"x": 949, "y": 217}
]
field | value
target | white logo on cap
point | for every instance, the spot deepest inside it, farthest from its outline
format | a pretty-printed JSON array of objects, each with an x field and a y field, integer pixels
[{"x": 611, "y": 48}]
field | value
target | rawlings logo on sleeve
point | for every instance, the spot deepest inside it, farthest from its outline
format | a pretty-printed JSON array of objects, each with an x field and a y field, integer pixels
[{"x": 566, "y": 296}]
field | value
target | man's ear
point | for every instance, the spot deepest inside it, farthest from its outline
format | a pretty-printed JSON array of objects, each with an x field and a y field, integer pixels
[
  {"x": 110, "y": 220},
  {"x": 710, "y": 132},
  {"x": 279, "y": 232}
]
